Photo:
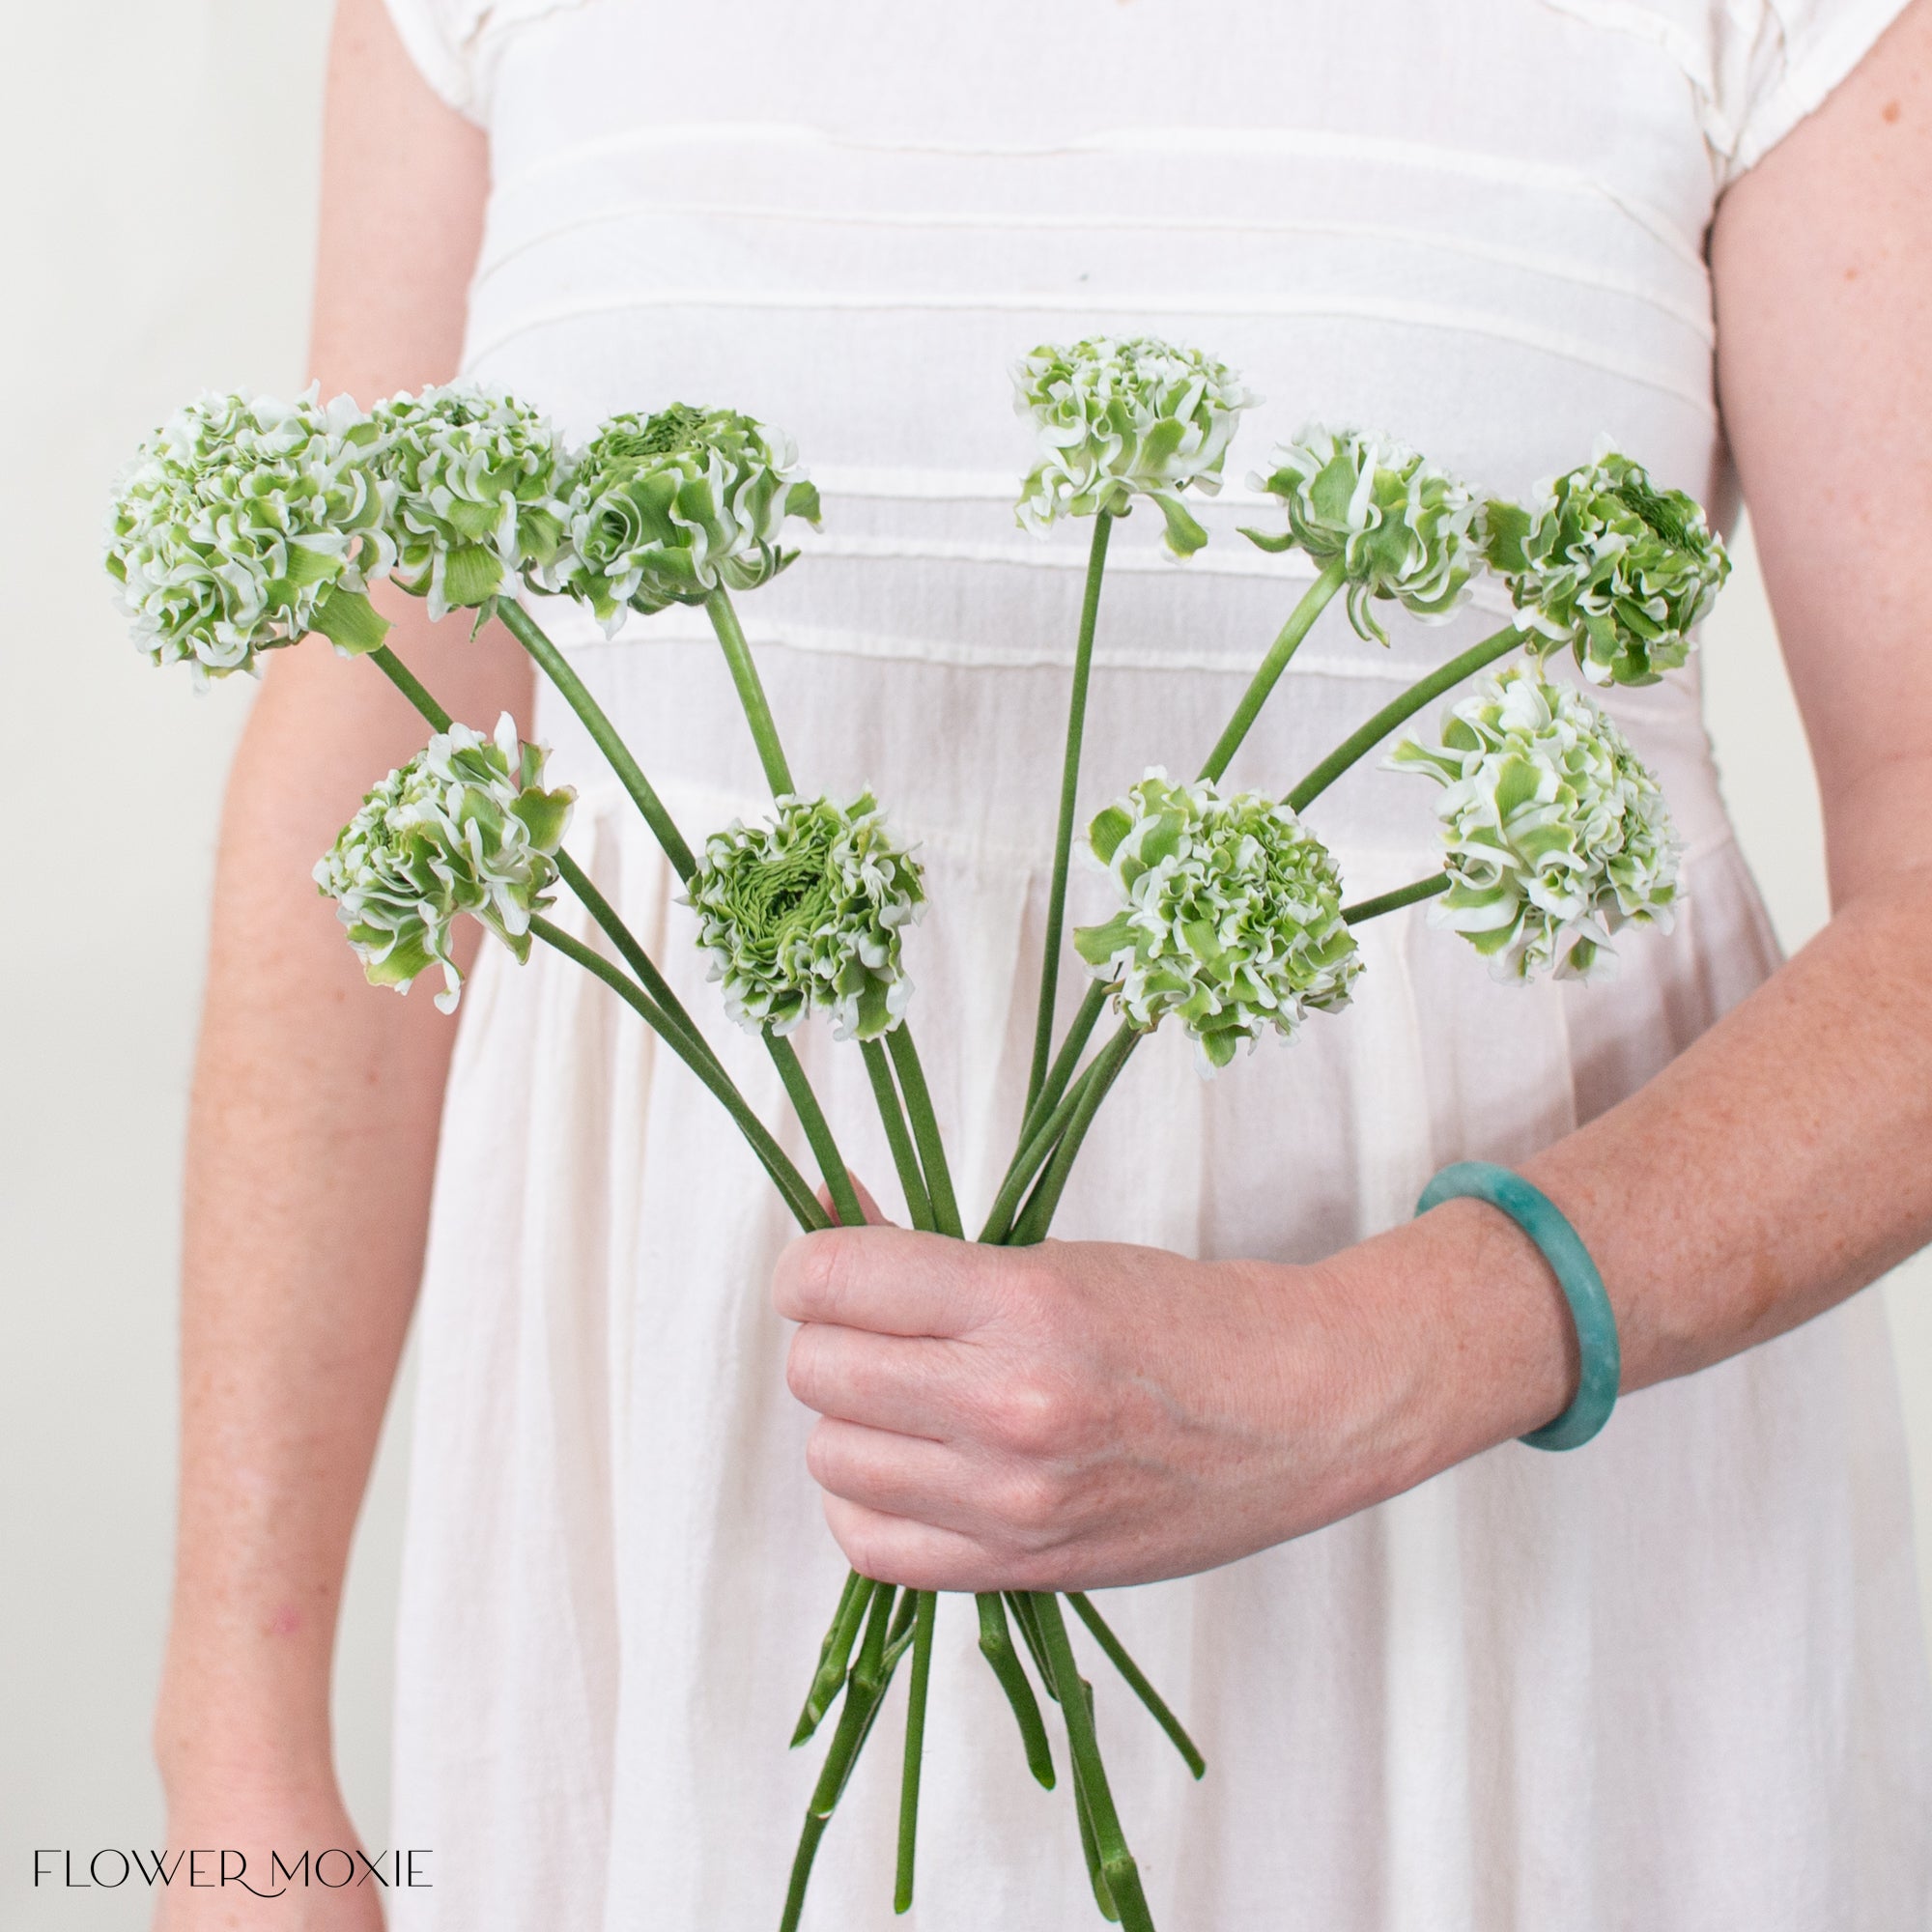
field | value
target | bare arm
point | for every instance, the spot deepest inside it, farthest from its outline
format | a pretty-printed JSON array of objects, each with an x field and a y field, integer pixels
[
  {"x": 1002, "y": 1418},
  {"x": 315, "y": 1108}
]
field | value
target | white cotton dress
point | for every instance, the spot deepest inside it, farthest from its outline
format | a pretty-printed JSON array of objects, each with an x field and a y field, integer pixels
[{"x": 1673, "y": 1683}]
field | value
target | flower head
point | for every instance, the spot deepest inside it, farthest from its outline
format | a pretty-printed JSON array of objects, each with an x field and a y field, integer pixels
[
  {"x": 1121, "y": 419},
  {"x": 1610, "y": 565},
  {"x": 1400, "y": 527},
  {"x": 1232, "y": 914},
  {"x": 466, "y": 826},
  {"x": 666, "y": 509},
  {"x": 808, "y": 912},
  {"x": 1556, "y": 834},
  {"x": 479, "y": 479},
  {"x": 243, "y": 525}
]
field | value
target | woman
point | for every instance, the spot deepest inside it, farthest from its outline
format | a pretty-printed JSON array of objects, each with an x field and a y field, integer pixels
[{"x": 1672, "y": 1681}]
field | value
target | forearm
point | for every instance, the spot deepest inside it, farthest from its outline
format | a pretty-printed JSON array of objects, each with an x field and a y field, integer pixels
[
  {"x": 311, "y": 1148},
  {"x": 1772, "y": 1169}
]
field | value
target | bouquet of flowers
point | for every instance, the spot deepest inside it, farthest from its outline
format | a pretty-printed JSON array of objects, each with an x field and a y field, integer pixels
[{"x": 243, "y": 524}]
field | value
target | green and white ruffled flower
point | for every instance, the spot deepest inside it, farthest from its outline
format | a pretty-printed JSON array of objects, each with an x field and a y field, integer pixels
[
  {"x": 1607, "y": 564},
  {"x": 1230, "y": 915},
  {"x": 666, "y": 509},
  {"x": 1400, "y": 528},
  {"x": 479, "y": 481},
  {"x": 1122, "y": 419},
  {"x": 243, "y": 523},
  {"x": 1557, "y": 836},
  {"x": 465, "y": 827},
  {"x": 808, "y": 912}
]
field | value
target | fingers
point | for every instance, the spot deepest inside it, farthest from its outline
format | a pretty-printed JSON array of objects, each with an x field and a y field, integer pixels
[
  {"x": 908, "y": 1384},
  {"x": 900, "y": 1475},
  {"x": 889, "y": 1280},
  {"x": 1003, "y": 1505},
  {"x": 921, "y": 1557}
]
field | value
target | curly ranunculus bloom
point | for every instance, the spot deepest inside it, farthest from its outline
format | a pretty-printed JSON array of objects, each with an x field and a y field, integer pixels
[
  {"x": 1610, "y": 565},
  {"x": 1556, "y": 834},
  {"x": 243, "y": 525},
  {"x": 466, "y": 826},
  {"x": 1400, "y": 528},
  {"x": 1121, "y": 419},
  {"x": 809, "y": 911},
  {"x": 666, "y": 509},
  {"x": 479, "y": 481},
  {"x": 1231, "y": 915}
]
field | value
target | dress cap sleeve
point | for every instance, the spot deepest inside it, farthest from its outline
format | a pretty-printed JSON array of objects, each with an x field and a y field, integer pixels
[
  {"x": 1788, "y": 56},
  {"x": 1755, "y": 67},
  {"x": 448, "y": 41}
]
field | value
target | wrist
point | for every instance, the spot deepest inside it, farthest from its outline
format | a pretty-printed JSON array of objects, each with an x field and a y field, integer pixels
[
  {"x": 1467, "y": 1336},
  {"x": 215, "y": 1734}
]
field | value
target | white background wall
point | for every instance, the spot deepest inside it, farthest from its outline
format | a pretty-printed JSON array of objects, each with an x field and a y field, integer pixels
[{"x": 159, "y": 157}]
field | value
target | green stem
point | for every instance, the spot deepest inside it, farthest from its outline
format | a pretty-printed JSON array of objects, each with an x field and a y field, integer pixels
[
  {"x": 818, "y": 1132},
  {"x": 834, "y": 1654},
  {"x": 1359, "y": 743},
  {"x": 1137, "y": 1682},
  {"x": 1037, "y": 1214},
  {"x": 938, "y": 1176},
  {"x": 996, "y": 1646},
  {"x": 1301, "y": 621},
  {"x": 634, "y": 955},
  {"x": 864, "y": 1691},
  {"x": 918, "y": 1204},
  {"x": 1089, "y": 1846},
  {"x": 790, "y": 1183},
  {"x": 1070, "y": 788},
  {"x": 1021, "y": 1606},
  {"x": 1404, "y": 896},
  {"x": 405, "y": 681},
  {"x": 1065, "y": 1060},
  {"x": 1029, "y": 1160},
  {"x": 1116, "y": 1862},
  {"x": 924, "y": 1615},
  {"x": 750, "y": 690},
  {"x": 574, "y": 692}
]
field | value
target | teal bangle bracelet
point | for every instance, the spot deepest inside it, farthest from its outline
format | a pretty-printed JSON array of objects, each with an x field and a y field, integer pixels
[{"x": 1539, "y": 1217}]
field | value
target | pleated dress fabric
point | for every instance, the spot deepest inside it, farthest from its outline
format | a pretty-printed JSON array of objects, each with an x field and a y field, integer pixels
[{"x": 1674, "y": 1682}]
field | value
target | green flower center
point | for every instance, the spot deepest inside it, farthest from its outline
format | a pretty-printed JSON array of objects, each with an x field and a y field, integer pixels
[
  {"x": 680, "y": 427},
  {"x": 782, "y": 894},
  {"x": 1659, "y": 514}
]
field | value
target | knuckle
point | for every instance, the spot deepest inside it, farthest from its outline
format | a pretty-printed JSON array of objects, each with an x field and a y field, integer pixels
[
  {"x": 826, "y": 1270},
  {"x": 801, "y": 1364},
  {"x": 1021, "y": 1282},
  {"x": 862, "y": 1536},
  {"x": 822, "y": 1458},
  {"x": 1032, "y": 1510},
  {"x": 1025, "y": 1416}
]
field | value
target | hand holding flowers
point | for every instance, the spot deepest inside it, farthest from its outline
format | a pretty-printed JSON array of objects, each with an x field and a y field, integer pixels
[{"x": 244, "y": 525}]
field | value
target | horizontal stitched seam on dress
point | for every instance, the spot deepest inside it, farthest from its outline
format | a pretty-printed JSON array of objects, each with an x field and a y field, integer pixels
[
  {"x": 1064, "y": 557},
  {"x": 977, "y": 486},
  {"x": 702, "y": 808},
  {"x": 1364, "y": 308},
  {"x": 1375, "y": 665},
  {"x": 1511, "y": 170},
  {"x": 1555, "y": 267}
]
